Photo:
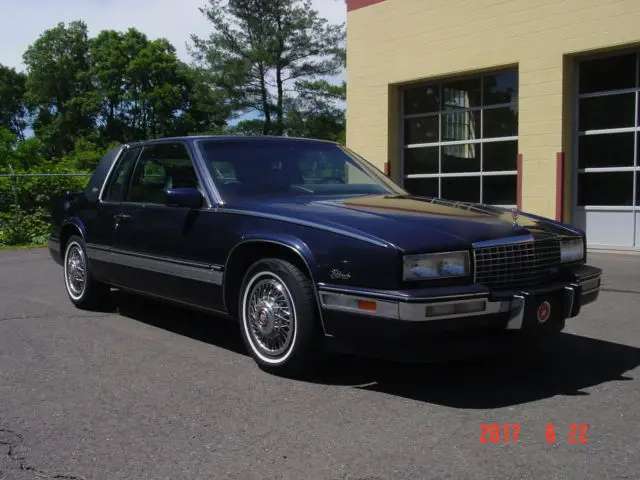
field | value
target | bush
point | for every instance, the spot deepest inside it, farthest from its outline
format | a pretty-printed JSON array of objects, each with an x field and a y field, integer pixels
[
  {"x": 24, "y": 223},
  {"x": 23, "y": 228}
]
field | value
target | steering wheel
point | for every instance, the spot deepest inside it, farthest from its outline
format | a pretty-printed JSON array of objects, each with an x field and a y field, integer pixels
[{"x": 337, "y": 179}]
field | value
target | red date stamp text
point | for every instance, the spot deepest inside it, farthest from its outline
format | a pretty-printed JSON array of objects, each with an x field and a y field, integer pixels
[{"x": 508, "y": 433}]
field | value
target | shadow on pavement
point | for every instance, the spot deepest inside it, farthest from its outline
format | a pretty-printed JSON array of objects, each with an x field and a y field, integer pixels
[
  {"x": 202, "y": 327},
  {"x": 566, "y": 365}
]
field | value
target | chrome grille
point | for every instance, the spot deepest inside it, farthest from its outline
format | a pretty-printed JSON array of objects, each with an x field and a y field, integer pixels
[{"x": 518, "y": 264}]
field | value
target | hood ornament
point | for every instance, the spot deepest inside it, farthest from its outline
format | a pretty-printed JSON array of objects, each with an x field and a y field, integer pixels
[{"x": 515, "y": 213}]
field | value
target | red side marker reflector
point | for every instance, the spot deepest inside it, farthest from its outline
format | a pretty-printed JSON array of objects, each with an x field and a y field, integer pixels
[{"x": 367, "y": 305}]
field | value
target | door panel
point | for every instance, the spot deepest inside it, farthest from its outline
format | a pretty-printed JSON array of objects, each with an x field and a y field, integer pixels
[
  {"x": 99, "y": 222},
  {"x": 99, "y": 226},
  {"x": 166, "y": 250}
]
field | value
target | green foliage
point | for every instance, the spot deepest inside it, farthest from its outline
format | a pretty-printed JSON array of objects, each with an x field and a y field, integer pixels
[
  {"x": 140, "y": 82},
  {"x": 317, "y": 112},
  {"x": 83, "y": 95},
  {"x": 13, "y": 111},
  {"x": 7, "y": 146},
  {"x": 59, "y": 86},
  {"x": 247, "y": 127},
  {"x": 39, "y": 191},
  {"x": 26, "y": 201},
  {"x": 23, "y": 229},
  {"x": 85, "y": 155},
  {"x": 259, "y": 49},
  {"x": 116, "y": 87}
]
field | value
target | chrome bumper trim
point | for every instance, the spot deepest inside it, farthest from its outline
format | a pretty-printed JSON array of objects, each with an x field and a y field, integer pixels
[
  {"x": 467, "y": 306},
  {"x": 349, "y": 303},
  {"x": 591, "y": 284},
  {"x": 416, "y": 312},
  {"x": 516, "y": 313},
  {"x": 570, "y": 294},
  {"x": 411, "y": 312},
  {"x": 381, "y": 294}
]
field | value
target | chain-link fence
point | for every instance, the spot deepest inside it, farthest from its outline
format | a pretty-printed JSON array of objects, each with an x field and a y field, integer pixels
[{"x": 26, "y": 200}]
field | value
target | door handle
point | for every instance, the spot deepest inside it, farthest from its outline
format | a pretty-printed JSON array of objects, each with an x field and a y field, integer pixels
[{"x": 121, "y": 216}]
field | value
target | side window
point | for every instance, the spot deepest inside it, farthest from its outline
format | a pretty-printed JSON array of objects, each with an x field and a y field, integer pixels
[
  {"x": 160, "y": 167},
  {"x": 117, "y": 183}
]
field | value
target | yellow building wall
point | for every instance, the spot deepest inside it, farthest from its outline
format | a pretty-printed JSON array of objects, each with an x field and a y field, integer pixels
[{"x": 396, "y": 42}]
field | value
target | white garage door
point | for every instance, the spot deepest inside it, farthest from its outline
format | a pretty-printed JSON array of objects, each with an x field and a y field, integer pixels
[{"x": 607, "y": 195}]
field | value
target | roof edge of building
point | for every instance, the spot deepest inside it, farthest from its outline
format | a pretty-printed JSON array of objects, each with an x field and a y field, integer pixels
[{"x": 357, "y": 4}]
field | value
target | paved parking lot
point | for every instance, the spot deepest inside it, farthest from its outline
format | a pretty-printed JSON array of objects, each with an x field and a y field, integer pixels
[{"x": 157, "y": 392}]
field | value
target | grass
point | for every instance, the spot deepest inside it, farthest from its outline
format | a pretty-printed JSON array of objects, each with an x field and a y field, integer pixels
[{"x": 21, "y": 247}]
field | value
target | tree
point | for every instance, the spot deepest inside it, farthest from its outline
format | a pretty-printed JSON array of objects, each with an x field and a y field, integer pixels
[
  {"x": 146, "y": 91},
  {"x": 81, "y": 96},
  {"x": 205, "y": 109},
  {"x": 59, "y": 86},
  {"x": 251, "y": 127},
  {"x": 110, "y": 55},
  {"x": 7, "y": 147},
  {"x": 154, "y": 90},
  {"x": 259, "y": 47},
  {"x": 317, "y": 111},
  {"x": 13, "y": 112}
]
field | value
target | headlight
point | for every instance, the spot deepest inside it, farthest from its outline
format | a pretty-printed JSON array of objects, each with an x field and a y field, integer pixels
[
  {"x": 571, "y": 250},
  {"x": 436, "y": 265}
]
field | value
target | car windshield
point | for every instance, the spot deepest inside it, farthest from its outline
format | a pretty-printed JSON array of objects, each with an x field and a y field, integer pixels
[{"x": 244, "y": 169}]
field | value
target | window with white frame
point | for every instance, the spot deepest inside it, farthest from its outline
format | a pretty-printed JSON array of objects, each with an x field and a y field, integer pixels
[
  {"x": 461, "y": 138},
  {"x": 608, "y": 126}
]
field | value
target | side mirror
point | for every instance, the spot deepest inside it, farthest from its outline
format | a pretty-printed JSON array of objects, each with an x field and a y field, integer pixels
[{"x": 183, "y": 197}]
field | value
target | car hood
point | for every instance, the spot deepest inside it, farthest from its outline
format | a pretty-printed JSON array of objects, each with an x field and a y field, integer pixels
[{"x": 411, "y": 223}]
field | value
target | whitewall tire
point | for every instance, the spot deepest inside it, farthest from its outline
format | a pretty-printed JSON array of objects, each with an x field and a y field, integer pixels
[
  {"x": 83, "y": 290},
  {"x": 279, "y": 319}
]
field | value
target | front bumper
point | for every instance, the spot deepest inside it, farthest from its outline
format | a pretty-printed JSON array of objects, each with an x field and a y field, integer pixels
[{"x": 418, "y": 325}]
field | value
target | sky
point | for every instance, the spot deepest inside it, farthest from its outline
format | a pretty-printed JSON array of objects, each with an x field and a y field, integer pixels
[{"x": 23, "y": 21}]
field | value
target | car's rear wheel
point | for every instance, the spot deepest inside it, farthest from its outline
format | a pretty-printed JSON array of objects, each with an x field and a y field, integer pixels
[
  {"x": 279, "y": 318},
  {"x": 83, "y": 289}
]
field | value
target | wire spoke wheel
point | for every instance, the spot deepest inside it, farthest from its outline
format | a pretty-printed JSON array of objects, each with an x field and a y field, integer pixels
[
  {"x": 270, "y": 315},
  {"x": 279, "y": 319},
  {"x": 76, "y": 270}
]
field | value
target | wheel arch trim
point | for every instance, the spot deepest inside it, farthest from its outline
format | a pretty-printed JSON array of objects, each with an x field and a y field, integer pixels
[
  {"x": 75, "y": 223},
  {"x": 293, "y": 244}
]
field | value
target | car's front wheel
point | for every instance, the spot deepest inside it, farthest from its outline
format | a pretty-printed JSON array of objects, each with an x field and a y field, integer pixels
[
  {"x": 83, "y": 289},
  {"x": 279, "y": 318}
]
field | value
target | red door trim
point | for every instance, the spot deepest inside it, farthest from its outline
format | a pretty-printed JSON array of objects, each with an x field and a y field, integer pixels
[{"x": 560, "y": 186}]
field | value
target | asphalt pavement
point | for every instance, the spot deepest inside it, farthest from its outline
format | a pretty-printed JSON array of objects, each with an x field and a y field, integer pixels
[{"x": 157, "y": 392}]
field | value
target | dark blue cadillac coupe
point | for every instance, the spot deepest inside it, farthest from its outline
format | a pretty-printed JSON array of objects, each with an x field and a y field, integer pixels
[{"x": 309, "y": 246}]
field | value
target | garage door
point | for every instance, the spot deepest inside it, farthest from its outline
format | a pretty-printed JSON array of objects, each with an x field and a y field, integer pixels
[
  {"x": 461, "y": 138},
  {"x": 607, "y": 195}
]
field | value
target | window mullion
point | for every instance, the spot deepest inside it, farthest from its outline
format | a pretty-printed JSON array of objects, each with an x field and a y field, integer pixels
[
  {"x": 481, "y": 137},
  {"x": 440, "y": 127}
]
